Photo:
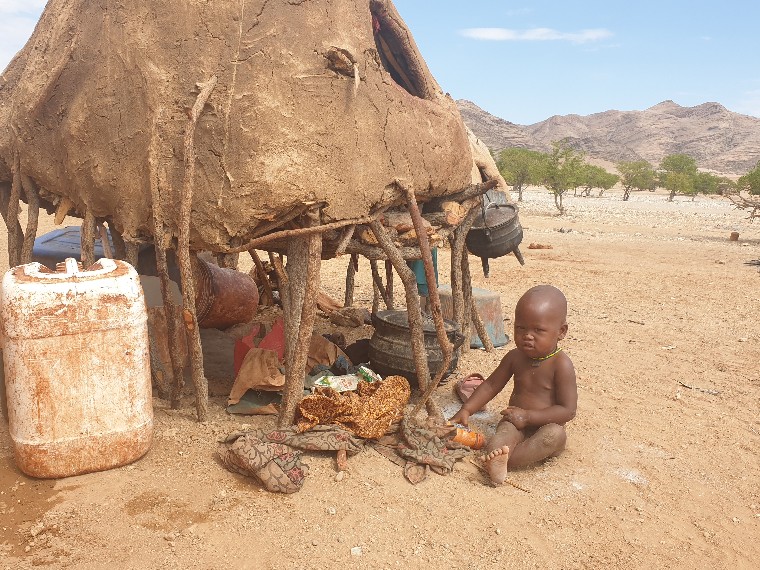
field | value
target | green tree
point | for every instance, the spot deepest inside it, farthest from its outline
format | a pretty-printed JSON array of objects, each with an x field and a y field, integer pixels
[
  {"x": 636, "y": 175},
  {"x": 679, "y": 172},
  {"x": 562, "y": 171},
  {"x": 678, "y": 183},
  {"x": 593, "y": 176},
  {"x": 706, "y": 183},
  {"x": 750, "y": 182},
  {"x": 520, "y": 167}
]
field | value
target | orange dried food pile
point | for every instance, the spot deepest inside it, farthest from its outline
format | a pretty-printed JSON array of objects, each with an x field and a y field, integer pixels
[{"x": 368, "y": 412}]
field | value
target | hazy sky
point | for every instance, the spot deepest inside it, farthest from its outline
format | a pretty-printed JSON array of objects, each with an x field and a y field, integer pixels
[{"x": 526, "y": 61}]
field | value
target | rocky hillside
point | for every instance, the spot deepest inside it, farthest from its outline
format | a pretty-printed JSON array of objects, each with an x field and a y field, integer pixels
[{"x": 718, "y": 139}]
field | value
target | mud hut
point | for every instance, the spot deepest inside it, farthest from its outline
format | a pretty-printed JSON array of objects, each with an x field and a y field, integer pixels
[{"x": 227, "y": 126}]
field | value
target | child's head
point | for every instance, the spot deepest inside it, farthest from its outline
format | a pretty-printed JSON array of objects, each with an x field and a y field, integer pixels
[{"x": 540, "y": 321}]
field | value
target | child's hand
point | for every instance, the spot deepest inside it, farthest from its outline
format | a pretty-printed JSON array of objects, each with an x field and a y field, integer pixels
[
  {"x": 461, "y": 417},
  {"x": 516, "y": 416}
]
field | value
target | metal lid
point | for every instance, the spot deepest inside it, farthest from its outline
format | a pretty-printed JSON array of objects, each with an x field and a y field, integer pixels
[{"x": 496, "y": 215}]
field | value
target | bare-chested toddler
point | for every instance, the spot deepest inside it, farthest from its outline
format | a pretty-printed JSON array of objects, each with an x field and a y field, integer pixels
[{"x": 544, "y": 396}]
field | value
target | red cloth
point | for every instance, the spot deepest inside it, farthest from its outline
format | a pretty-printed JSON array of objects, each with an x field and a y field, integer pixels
[{"x": 242, "y": 347}]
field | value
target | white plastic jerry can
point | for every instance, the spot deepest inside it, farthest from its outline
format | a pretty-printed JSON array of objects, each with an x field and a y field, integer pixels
[{"x": 77, "y": 367}]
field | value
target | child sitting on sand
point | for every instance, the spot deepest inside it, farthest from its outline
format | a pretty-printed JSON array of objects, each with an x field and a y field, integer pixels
[{"x": 544, "y": 396}]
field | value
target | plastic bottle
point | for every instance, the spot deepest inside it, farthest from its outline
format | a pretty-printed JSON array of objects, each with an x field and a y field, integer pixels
[{"x": 469, "y": 437}]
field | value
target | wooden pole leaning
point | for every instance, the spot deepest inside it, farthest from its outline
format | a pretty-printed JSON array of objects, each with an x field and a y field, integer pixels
[
  {"x": 434, "y": 301},
  {"x": 183, "y": 252},
  {"x": 414, "y": 314}
]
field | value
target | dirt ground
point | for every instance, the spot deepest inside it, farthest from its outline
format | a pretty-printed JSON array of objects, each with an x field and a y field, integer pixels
[{"x": 661, "y": 469}]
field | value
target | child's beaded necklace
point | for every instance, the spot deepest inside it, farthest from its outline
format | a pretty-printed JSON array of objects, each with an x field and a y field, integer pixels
[{"x": 537, "y": 361}]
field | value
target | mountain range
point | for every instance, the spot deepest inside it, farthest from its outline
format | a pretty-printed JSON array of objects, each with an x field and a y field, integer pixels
[{"x": 720, "y": 140}]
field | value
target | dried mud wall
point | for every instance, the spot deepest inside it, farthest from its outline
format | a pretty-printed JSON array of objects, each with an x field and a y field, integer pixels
[{"x": 97, "y": 104}]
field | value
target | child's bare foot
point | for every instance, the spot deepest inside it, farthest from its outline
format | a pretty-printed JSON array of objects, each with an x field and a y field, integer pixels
[{"x": 496, "y": 464}]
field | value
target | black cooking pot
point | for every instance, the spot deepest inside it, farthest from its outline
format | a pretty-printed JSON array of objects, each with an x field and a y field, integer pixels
[
  {"x": 496, "y": 232},
  {"x": 390, "y": 348}
]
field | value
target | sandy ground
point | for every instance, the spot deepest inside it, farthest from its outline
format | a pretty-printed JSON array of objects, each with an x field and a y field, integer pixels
[{"x": 661, "y": 469}]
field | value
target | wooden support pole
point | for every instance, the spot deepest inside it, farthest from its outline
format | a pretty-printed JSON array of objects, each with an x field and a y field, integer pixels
[
  {"x": 132, "y": 251},
  {"x": 183, "y": 253},
  {"x": 15, "y": 235},
  {"x": 33, "y": 216},
  {"x": 414, "y": 314},
  {"x": 434, "y": 300},
  {"x": 458, "y": 252},
  {"x": 104, "y": 241},
  {"x": 353, "y": 267},
  {"x": 304, "y": 261},
  {"x": 458, "y": 246},
  {"x": 376, "y": 294},
  {"x": 466, "y": 302},
  {"x": 263, "y": 277},
  {"x": 380, "y": 290},
  {"x": 171, "y": 311},
  {"x": 5, "y": 201},
  {"x": 389, "y": 301},
  {"x": 281, "y": 276},
  {"x": 87, "y": 238},
  {"x": 119, "y": 245}
]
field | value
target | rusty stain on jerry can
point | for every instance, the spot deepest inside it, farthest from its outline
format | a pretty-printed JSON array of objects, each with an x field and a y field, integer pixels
[{"x": 77, "y": 367}]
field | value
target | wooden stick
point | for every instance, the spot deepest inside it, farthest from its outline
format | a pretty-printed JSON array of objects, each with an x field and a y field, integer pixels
[
  {"x": 378, "y": 284},
  {"x": 348, "y": 233},
  {"x": 63, "y": 209},
  {"x": 353, "y": 266},
  {"x": 87, "y": 238},
  {"x": 705, "y": 390},
  {"x": 291, "y": 214},
  {"x": 282, "y": 278},
  {"x": 414, "y": 314},
  {"x": 268, "y": 295},
  {"x": 376, "y": 292},
  {"x": 480, "y": 327},
  {"x": 105, "y": 242},
  {"x": 374, "y": 252},
  {"x": 15, "y": 235},
  {"x": 132, "y": 253},
  {"x": 171, "y": 311},
  {"x": 256, "y": 243},
  {"x": 5, "y": 199},
  {"x": 33, "y": 215},
  {"x": 119, "y": 246},
  {"x": 304, "y": 285},
  {"x": 183, "y": 251},
  {"x": 434, "y": 300},
  {"x": 470, "y": 192},
  {"x": 458, "y": 245},
  {"x": 466, "y": 302},
  {"x": 389, "y": 302}
]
